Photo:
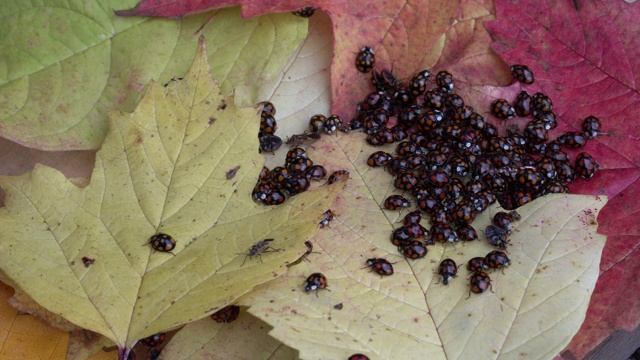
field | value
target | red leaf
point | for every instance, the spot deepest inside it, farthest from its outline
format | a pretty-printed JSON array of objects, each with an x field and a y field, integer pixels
[{"x": 584, "y": 54}]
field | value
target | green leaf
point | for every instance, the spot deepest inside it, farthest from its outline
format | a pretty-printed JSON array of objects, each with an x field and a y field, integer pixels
[{"x": 65, "y": 62}]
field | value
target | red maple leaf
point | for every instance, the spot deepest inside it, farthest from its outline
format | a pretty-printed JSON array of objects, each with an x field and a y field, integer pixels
[{"x": 584, "y": 55}]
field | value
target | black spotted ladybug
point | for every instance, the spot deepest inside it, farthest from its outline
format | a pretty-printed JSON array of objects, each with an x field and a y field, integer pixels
[
  {"x": 476, "y": 264},
  {"x": 379, "y": 158},
  {"x": 496, "y": 236},
  {"x": 269, "y": 143},
  {"x": 444, "y": 80},
  {"x": 414, "y": 249},
  {"x": 502, "y": 109},
  {"x": 162, "y": 242},
  {"x": 154, "y": 353},
  {"x": 297, "y": 183},
  {"x": 406, "y": 181},
  {"x": 328, "y": 216},
  {"x": 338, "y": 175},
  {"x": 497, "y": 260},
  {"x": 316, "y": 172},
  {"x": 332, "y": 124},
  {"x": 541, "y": 103},
  {"x": 305, "y": 12},
  {"x": 258, "y": 249},
  {"x": 504, "y": 220},
  {"x": 566, "y": 173},
  {"x": 366, "y": 59},
  {"x": 280, "y": 175},
  {"x": 523, "y": 104},
  {"x": 396, "y": 202},
  {"x": 401, "y": 236},
  {"x": 227, "y": 314},
  {"x": 522, "y": 73},
  {"x": 358, "y": 357},
  {"x": 153, "y": 340},
  {"x": 412, "y": 218},
  {"x": 268, "y": 108},
  {"x": 316, "y": 123},
  {"x": 443, "y": 233},
  {"x": 466, "y": 233},
  {"x": 447, "y": 270},
  {"x": 418, "y": 83},
  {"x": 268, "y": 124},
  {"x": 554, "y": 187},
  {"x": 261, "y": 191},
  {"x": 315, "y": 281},
  {"x": 528, "y": 178},
  {"x": 591, "y": 127},
  {"x": 380, "y": 266},
  {"x": 265, "y": 175},
  {"x": 573, "y": 140},
  {"x": 586, "y": 165},
  {"x": 294, "y": 153},
  {"x": 434, "y": 99},
  {"x": 299, "y": 165},
  {"x": 479, "y": 283},
  {"x": 464, "y": 212},
  {"x": 521, "y": 198}
]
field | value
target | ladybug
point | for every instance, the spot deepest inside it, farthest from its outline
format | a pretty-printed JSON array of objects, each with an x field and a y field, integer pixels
[
  {"x": 414, "y": 249},
  {"x": 269, "y": 143},
  {"x": 464, "y": 212},
  {"x": 316, "y": 123},
  {"x": 479, "y": 282},
  {"x": 476, "y": 264},
  {"x": 566, "y": 173},
  {"x": 332, "y": 124},
  {"x": 434, "y": 99},
  {"x": 550, "y": 120},
  {"x": 358, "y": 357},
  {"x": 305, "y": 12},
  {"x": 444, "y": 80},
  {"x": 294, "y": 153},
  {"x": 153, "y": 340},
  {"x": 384, "y": 80},
  {"x": 502, "y": 109},
  {"x": 528, "y": 178},
  {"x": 227, "y": 314},
  {"x": 268, "y": 108},
  {"x": 396, "y": 202},
  {"x": 299, "y": 165},
  {"x": 546, "y": 168},
  {"x": 379, "y": 158},
  {"x": 154, "y": 353},
  {"x": 401, "y": 236},
  {"x": 162, "y": 242},
  {"x": 328, "y": 216},
  {"x": 366, "y": 59},
  {"x": 316, "y": 172},
  {"x": 497, "y": 260},
  {"x": 447, "y": 270},
  {"x": 280, "y": 174},
  {"x": 403, "y": 97},
  {"x": 522, "y": 73},
  {"x": 416, "y": 230},
  {"x": 503, "y": 220},
  {"x": 442, "y": 232},
  {"x": 536, "y": 132},
  {"x": 258, "y": 249},
  {"x": 591, "y": 127},
  {"x": 399, "y": 132},
  {"x": 520, "y": 198},
  {"x": 261, "y": 191},
  {"x": 466, "y": 233},
  {"x": 440, "y": 215},
  {"x": 412, "y": 218},
  {"x": 297, "y": 183},
  {"x": 554, "y": 187},
  {"x": 380, "y": 266},
  {"x": 541, "y": 103},
  {"x": 418, "y": 83},
  {"x": 338, "y": 175},
  {"x": 268, "y": 124},
  {"x": 586, "y": 165},
  {"x": 315, "y": 281},
  {"x": 523, "y": 104},
  {"x": 406, "y": 181},
  {"x": 265, "y": 175},
  {"x": 573, "y": 140},
  {"x": 496, "y": 236},
  {"x": 455, "y": 188}
]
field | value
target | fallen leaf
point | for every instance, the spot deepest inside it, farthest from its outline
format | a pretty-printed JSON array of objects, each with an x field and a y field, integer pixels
[
  {"x": 244, "y": 338},
  {"x": 538, "y": 304},
  {"x": 65, "y": 64},
  {"x": 584, "y": 54},
  {"x": 25, "y": 336},
  {"x": 160, "y": 170}
]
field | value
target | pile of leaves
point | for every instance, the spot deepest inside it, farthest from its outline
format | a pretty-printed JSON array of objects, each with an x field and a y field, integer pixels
[{"x": 165, "y": 163}]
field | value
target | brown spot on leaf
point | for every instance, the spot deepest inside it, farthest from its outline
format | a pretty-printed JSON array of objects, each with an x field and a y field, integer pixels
[
  {"x": 212, "y": 120},
  {"x": 338, "y": 306},
  {"x": 231, "y": 173},
  {"x": 87, "y": 261},
  {"x": 222, "y": 105}
]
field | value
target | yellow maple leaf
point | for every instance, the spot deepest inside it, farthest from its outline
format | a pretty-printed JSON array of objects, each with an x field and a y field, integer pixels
[{"x": 165, "y": 168}]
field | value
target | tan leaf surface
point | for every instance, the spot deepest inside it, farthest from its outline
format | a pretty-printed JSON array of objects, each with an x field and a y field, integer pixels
[
  {"x": 538, "y": 304},
  {"x": 244, "y": 338},
  {"x": 161, "y": 169}
]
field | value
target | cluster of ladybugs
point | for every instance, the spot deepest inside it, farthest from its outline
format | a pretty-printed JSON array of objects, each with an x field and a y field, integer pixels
[
  {"x": 269, "y": 141},
  {"x": 455, "y": 163}
]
